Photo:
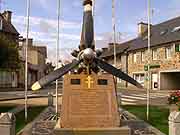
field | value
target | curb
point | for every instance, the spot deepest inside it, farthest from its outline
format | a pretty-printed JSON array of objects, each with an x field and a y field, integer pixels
[{"x": 30, "y": 97}]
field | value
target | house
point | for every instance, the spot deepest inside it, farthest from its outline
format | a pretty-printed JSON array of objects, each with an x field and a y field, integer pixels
[
  {"x": 164, "y": 55},
  {"x": 36, "y": 61},
  {"x": 8, "y": 76}
]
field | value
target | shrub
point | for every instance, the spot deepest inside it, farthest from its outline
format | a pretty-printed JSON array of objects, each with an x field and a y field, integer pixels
[{"x": 174, "y": 98}]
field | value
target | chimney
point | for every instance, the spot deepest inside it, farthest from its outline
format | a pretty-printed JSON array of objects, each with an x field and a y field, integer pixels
[
  {"x": 7, "y": 15},
  {"x": 142, "y": 28},
  {"x": 30, "y": 42},
  {"x": 104, "y": 49}
]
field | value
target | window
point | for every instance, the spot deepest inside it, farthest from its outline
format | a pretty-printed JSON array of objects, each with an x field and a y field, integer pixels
[
  {"x": 1, "y": 24},
  {"x": 176, "y": 29},
  {"x": 143, "y": 56},
  {"x": 154, "y": 54},
  {"x": 139, "y": 78},
  {"x": 163, "y": 32},
  {"x": 119, "y": 58},
  {"x": 168, "y": 52},
  {"x": 134, "y": 57},
  {"x": 177, "y": 47},
  {"x": 145, "y": 38}
]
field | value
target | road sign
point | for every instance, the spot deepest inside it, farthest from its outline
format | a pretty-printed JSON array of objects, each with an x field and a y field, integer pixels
[
  {"x": 151, "y": 67},
  {"x": 145, "y": 67}
]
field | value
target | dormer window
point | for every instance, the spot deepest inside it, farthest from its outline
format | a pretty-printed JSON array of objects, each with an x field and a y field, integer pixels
[
  {"x": 176, "y": 29},
  {"x": 163, "y": 32},
  {"x": 145, "y": 38}
]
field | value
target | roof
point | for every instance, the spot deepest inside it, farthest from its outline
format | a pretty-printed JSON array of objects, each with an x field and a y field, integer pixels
[
  {"x": 161, "y": 34},
  {"x": 8, "y": 27},
  {"x": 110, "y": 50}
]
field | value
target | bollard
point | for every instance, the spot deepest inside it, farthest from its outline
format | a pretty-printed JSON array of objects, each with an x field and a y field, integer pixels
[
  {"x": 7, "y": 124},
  {"x": 174, "y": 123},
  {"x": 50, "y": 99}
]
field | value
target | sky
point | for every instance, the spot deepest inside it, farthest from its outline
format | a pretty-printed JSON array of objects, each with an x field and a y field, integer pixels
[{"x": 43, "y": 20}]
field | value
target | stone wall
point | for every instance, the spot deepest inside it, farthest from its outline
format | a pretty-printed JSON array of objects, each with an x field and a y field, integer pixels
[{"x": 170, "y": 64}]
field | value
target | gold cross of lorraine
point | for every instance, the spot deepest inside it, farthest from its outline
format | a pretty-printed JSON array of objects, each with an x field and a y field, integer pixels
[{"x": 89, "y": 81}]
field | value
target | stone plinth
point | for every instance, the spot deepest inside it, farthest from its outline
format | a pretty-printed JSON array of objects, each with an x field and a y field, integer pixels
[
  {"x": 93, "y": 131},
  {"x": 89, "y": 104},
  {"x": 7, "y": 124},
  {"x": 174, "y": 123}
]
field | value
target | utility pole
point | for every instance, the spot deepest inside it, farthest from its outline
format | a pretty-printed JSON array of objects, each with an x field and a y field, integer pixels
[
  {"x": 149, "y": 58},
  {"x": 26, "y": 59},
  {"x": 57, "y": 52}
]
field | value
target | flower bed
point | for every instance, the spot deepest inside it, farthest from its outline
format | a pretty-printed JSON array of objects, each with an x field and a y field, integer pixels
[{"x": 174, "y": 98}]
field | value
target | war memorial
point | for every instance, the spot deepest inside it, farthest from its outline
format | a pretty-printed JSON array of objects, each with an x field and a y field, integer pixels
[{"x": 89, "y": 101}]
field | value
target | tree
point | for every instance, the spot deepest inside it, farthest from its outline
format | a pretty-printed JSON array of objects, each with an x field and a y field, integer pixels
[{"x": 9, "y": 56}]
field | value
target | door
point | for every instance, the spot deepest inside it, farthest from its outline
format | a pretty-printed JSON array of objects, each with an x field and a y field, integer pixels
[{"x": 155, "y": 81}]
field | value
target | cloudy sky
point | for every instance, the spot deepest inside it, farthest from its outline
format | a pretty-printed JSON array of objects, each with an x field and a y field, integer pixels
[{"x": 43, "y": 22}]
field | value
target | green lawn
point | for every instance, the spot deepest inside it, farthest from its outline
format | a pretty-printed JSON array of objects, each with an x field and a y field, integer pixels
[
  {"x": 33, "y": 112},
  {"x": 5, "y": 108},
  {"x": 158, "y": 116}
]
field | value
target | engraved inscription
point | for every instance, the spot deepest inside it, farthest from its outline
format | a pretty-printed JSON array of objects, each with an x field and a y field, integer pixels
[{"x": 89, "y": 103}]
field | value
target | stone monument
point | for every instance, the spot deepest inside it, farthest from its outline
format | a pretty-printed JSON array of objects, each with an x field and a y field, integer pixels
[
  {"x": 89, "y": 106},
  {"x": 89, "y": 101}
]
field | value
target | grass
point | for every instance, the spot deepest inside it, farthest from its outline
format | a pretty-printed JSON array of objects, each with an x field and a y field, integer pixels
[
  {"x": 33, "y": 112},
  {"x": 158, "y": 116},
  {"x": 5, "y": 108}
]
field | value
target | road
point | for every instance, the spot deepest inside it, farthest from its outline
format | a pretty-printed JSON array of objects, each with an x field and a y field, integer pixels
[
  {"x": 128, "y": 97},
  {"x": 139, "y": 97}
]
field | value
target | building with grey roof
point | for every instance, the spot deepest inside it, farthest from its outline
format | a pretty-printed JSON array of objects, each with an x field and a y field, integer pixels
[{"x": 132, "y": 56}]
